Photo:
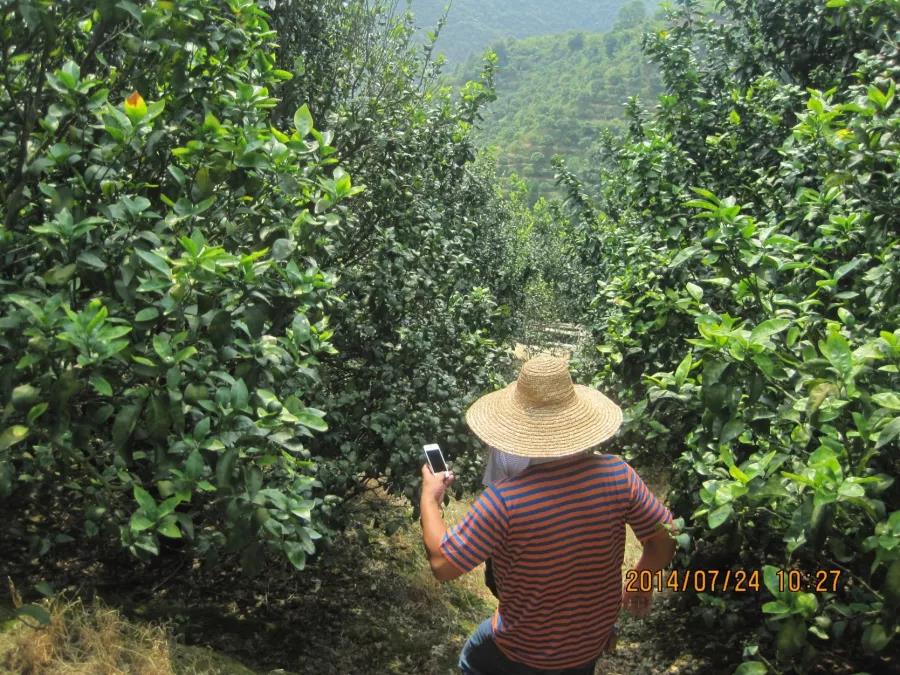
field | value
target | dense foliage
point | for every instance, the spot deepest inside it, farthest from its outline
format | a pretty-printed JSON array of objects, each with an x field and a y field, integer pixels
[
  {"x": 251, "y": 261},
  {"x": 162, "y": 313},
  {"x": 472, "y": 25},
  {"x": 418, "y": 252},
  {"x": 744, "y": 243},
  {"x": 556, "y": 93},
  {"x": 180, "y": 241}
]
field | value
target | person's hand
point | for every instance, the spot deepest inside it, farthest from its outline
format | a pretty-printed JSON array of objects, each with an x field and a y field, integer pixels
[
  {"x": 637, "y": 603},
  {"x": 434, "y": 485}
]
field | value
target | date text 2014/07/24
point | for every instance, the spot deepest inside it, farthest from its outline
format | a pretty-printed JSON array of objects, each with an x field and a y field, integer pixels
[{"x": 738, "y": 581}]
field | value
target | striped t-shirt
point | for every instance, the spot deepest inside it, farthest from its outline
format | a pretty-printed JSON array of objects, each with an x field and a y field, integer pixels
[{"x": 556, "y": 534}]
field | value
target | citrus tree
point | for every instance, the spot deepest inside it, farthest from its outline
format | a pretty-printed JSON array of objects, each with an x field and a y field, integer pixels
[
  {"x": 163, "y": 312},
  {"x": 745, "y": 247},
  {"x": 428, "y": 297}
]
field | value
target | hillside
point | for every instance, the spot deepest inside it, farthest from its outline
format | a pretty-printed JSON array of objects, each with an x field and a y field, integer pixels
[
  {"x": 556, "y": 93},
  {"x": 473, "y": 25}
]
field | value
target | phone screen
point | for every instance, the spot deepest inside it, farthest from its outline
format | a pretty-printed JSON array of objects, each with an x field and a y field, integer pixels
[{"x": 435, "y": 459}]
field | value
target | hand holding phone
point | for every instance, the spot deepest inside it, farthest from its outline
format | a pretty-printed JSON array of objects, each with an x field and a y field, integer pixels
[
  {"x": 435, "y": 458},
  {"x": 436, "y": 475}
]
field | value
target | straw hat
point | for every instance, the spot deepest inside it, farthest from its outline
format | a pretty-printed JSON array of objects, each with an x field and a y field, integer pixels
[{"x": 542, "y": 414}]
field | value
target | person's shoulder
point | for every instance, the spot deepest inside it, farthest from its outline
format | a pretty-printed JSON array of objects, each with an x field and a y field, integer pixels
[
  {"x": 610, "y": 461},
  {"x": 511, "y": 482}
]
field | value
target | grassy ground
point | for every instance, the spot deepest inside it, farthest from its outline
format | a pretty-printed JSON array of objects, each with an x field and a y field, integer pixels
[{"x": 94, "y": 639}]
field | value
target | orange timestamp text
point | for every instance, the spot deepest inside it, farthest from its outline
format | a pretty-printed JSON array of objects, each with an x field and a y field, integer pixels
[{"x": 737, "y": 581}]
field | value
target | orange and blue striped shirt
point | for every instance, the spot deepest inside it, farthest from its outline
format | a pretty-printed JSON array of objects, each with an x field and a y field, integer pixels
[{"x": 556, "y": 533}]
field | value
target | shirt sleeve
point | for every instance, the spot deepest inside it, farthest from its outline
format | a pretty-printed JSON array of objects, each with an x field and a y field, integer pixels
[
  {"x": 645, "y": 512},
  {"x": 479, "y": 534}
]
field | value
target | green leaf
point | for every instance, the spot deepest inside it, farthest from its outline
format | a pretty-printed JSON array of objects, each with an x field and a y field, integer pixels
[
  {"x": 12, "y": 435},
  {"x": 169, "y": 528},
  {"x": 283, "y": 249},
  {"x": 731, "y": 430},
  {"x": 751, "y": 668},
  {"x": 683, "y": 369},
  {"x": 887, "y": 399},
  {"x": 775, "y": 607},
  {"x": 301, "y": 329},
  {"x": 849, "y": 489},
  {"x": 145, "y": 500},
  {"x": 36, "y": 612},
  {"x": 684, "y": 255},
  {"x": 161, "y": 346},
  {"x": 295, "y": 554},
  {"x": 139, "y": 522},
  {"x": 700, "y": 204},
  {"x": 91, "y": 260},
  {"x": 185, "y": 354},
  {"x": 694, "y": 291},
  {"x": 155, "y": 261},
  {"x": 211, "y": 123},
  {"x": 303, "y": 120},
  {"x": 807, "y": 602},
  {"x": 239, "y": 394},
  {"x": 44, "y": 589},
  {"x": 837, "y": 350},
  {"x": 311, "y": 420},
  {"x": 877, "y": 96},
  {"x": 36, "y": 411},
  {"x": 719, "y": 516},
  {"x": 124, "y": 424},
  {"x": 875, "y": 637},
  {"x": 799, "y": 478},
  {"x": 885, "y": 436},
  {"x": 819, "y": 633},
  {"x": 819, "y": 393},
  {"x": 225, "y": 468},
  {"x": 147, "y": 314},
  {"x": 739, "y": 475},
  {"x": 101, "y": 385},
  {"x": 194, "y": 465},
  {"x": 132, "y": 9},
  {"x": 767, "y": 329},
  {"x": 60, "y": 274},
  {"x": 726, "y": 456},
  {"x": 253, "y": 480}
]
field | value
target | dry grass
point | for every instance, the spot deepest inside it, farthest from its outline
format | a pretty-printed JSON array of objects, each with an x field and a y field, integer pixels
[
  {"x": 93, "y": 639},
  {"x": 87, "y": 640}
]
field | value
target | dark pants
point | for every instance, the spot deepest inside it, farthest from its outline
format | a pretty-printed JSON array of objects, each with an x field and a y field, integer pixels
[{"x": 482, "y": 656}]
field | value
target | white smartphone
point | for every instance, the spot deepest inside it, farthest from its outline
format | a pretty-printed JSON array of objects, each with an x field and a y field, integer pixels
[{"x": 435, "y": 458}]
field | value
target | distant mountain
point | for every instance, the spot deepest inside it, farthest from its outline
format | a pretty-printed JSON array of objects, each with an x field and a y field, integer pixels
[
  {"x": 556, "y": 93},
  {"x": 473, "y": 25}
]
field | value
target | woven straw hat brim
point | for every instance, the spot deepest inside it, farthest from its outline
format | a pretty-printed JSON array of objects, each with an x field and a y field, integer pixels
[{"x": 585, "y": 420}]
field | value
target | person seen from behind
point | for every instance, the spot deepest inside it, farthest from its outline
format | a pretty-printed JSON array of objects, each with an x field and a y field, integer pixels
[{"x": 554, "y": 530}]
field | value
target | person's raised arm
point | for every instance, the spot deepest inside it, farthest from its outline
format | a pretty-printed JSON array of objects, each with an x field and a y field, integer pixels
[
  {"x": 466, "y": 545},
  {"x": 433, "y": 530}
]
